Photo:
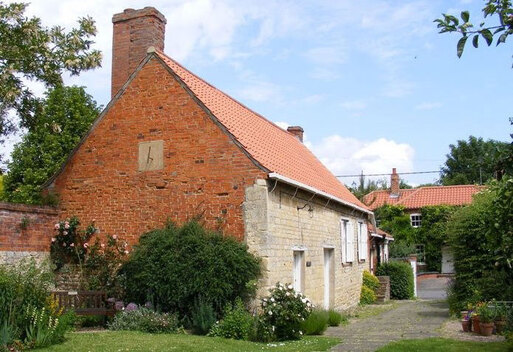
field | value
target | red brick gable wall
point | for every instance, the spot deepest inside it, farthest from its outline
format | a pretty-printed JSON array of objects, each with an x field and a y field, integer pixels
[
  {"x": 204, "y": 172},
  {"x": 26, "y": 227}
]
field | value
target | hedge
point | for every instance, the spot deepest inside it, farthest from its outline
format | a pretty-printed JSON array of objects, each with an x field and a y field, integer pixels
[{"x": 401, "y": 279}]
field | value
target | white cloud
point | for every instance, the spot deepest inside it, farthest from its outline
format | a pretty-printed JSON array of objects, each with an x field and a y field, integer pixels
[
  {"x": 428, "y": 106},
  {"x": 313, "y": 99},
  {"x": 343, "y": 155},
  {"x": 282, "y": 124},
  {"x": 261, "y": 91}
]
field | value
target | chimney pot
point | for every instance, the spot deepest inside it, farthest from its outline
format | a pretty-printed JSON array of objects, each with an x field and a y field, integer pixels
[
  {"x": 134, "y": 32},
  {"x": 296, "y": 131}
]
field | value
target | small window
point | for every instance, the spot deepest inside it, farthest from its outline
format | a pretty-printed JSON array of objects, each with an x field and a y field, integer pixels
[{"x": 416, "y": 220}]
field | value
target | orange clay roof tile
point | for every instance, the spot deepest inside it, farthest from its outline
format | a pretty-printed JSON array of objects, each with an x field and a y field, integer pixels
[
  {"x": 424, "y": 196},
  {"x": 274, "y": 148}
]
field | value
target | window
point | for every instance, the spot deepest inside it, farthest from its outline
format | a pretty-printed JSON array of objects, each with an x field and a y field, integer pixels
[
  {"x": 416, "y": 220},
  {"x": 347, "y": 240},
  {"x": 362, "y": 240}
]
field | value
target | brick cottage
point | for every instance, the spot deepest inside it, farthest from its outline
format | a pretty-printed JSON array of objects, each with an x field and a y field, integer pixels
[{"x": 172, "y": 146}]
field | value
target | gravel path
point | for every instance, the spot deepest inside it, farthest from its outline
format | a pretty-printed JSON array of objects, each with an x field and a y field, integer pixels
[{"x": 410, "y": 320}]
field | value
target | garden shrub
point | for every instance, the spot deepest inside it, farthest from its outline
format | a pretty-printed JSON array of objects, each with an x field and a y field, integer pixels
[
  {"x": 335, "y": 318},
  {"x": 480, "y": 237},
  {"x": 25, "y": 295},
  {"x": 284, "y": 310},
  {"x": 237, "y": 323},
  {"x": 316, "y": 323},
  {"x": 367, "y": 295},
  {"x": 203, "y": 316},
  {"x": 401, "y": 279},
  {"x": 145, "y": 320},
  {"x": 174, "y": 266},
  {"x": 371, "y": 281}
]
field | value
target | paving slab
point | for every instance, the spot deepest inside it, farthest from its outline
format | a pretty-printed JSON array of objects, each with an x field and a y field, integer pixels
[{"x": 417, "y": 319}]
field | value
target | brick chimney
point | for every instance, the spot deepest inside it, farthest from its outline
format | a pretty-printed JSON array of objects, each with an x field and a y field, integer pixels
[
  {"x": 296, "y": 131},
  {"x": 134, "y": 32},
  {"x": 394, "y": 183}
]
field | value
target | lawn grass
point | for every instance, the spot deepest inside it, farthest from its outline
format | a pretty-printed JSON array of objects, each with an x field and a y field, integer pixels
[
  {"x": 115, "y": 341},
  {"x": 445, "y": 345}
]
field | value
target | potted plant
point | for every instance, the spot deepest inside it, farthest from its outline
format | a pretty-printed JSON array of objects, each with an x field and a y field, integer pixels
[
  {"x": 486, "y": 318},
  {"x": 500, "y": 317},
  {"x": 465, "y": 324}
]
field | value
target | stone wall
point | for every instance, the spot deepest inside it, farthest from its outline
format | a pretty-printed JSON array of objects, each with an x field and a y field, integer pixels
[
  {"x": 275, "y": 228},
  {"x": 25, "y": 231},
  {"x": 384, "y": 289}
]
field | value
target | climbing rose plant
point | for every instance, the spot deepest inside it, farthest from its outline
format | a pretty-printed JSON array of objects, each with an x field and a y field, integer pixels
[{"x": 284, "y": 310}]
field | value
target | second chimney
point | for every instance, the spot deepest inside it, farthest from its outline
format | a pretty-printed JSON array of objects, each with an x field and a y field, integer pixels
[
  {"x": 394, "y": 184},
  {"x": 133, "y": 33},
  {"x": 296, "y": 131}
]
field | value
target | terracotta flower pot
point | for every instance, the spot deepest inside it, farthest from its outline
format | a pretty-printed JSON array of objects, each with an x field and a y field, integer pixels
[
  {"x": 486, "y": 328},
  {"x": 499, "y": 326},
  {"x": 475, "y": 324},
  {"x": 465, "y": 325}
]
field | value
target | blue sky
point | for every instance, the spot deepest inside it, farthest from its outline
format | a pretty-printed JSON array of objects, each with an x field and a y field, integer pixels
[{"x": 372, "y": 82}]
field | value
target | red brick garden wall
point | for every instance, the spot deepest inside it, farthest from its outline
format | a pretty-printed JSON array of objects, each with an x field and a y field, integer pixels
[
  {"x": 25, "y": 228},
  {"x": 205, "y": 174}
]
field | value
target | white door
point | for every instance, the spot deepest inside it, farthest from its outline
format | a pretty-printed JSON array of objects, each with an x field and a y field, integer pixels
[
  {"x": 328, "y": 257},
  {"x": 298, "y": 270}
]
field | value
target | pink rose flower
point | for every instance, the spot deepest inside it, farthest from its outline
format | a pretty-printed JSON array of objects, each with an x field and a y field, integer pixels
[
  {"x": 66, "y": 225},
  {"x": 65, "y": 233},
  {"x": 102, "y": 245},
  {"x": 72, "y": 245},
  {"x": 126, "y": 252},
  {"x": 115, "y": 237},
  {"x": 57, "y": 226},
  {"x": 53, "y": 239},
  {"x": 86, "y": 245}
]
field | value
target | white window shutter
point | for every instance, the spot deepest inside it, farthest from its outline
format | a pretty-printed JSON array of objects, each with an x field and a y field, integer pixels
[
  {"x": 359, "y": 239},
  {"x": 364, "y": 238},
  {"x": 350, "y": 242},
  {"x": 343, "y": 236}
]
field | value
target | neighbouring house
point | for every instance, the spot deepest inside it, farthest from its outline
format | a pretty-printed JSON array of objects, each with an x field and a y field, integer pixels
[
  {"x": 378, "y": 247},
  {"x": 171, "y": 146},
  {"x": 413, "y": 200}
]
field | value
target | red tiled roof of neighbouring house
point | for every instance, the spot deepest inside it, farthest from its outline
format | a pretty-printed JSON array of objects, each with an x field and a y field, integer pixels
[
  {"x": 274, "y": 148},
  {"x": 424, "y": 196},
  {"x": 378, "y": 231}
]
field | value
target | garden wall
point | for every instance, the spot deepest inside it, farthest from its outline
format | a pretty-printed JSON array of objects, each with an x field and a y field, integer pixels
[{"x": 25, "y": 231}]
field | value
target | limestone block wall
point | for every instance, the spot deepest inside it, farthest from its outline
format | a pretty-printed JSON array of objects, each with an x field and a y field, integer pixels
[{"x": 280, "y": 219}]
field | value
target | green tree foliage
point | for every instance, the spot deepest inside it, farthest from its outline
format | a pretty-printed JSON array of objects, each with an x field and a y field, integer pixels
[
  {"x": 496, "y": 24},
  {"x": 433, "y": 234},
  {"x": 66, "y": 115},
  {"x": 363, "y": 188},
  {"x": 31, "y": 51},
  {"x": 394, "y": 220},
  {"x": 481, "y": 236},
  {"x": 472, "y": 162},
  {"x": 176, "y": 266}
]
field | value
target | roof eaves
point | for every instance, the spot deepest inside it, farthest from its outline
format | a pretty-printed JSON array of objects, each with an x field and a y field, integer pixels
[{"x": 284, "y": 179}]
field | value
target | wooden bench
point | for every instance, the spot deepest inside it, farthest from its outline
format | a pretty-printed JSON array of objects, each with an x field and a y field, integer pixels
[{"x": 85, "y": 302}]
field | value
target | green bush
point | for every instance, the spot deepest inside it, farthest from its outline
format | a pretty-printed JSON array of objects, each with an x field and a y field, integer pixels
[
  {"x": 316, "y": 323},
  {"x": 145, "y": 320},
  {"x": 401, "y": 279},
  {"x": 335, "y": 318},
  {"x": 203, "y": 316},
  {"x": 237, "y": 323},
  {"x": 371, "y": 281},
  {"x": 43, "y": 328},
  {"x": 284, "y": 310},
  {"x": 367, "y": 296},
  {"x": 174, "y": 266}
]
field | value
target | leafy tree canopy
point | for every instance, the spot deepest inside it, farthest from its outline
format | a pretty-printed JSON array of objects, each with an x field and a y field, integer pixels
[
  {"x": 33, "y": 52},
  {"x": 65, "y": 116},
  {"x": 471, "y": 162},
  {"x": 363, "y": 188},
  {"x": 497, "y": 23}
]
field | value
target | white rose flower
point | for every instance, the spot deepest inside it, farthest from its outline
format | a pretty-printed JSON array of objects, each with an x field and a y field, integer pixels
[
  {"x": 290, "y": 287},
  {"x": 270, "y": 313}
]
